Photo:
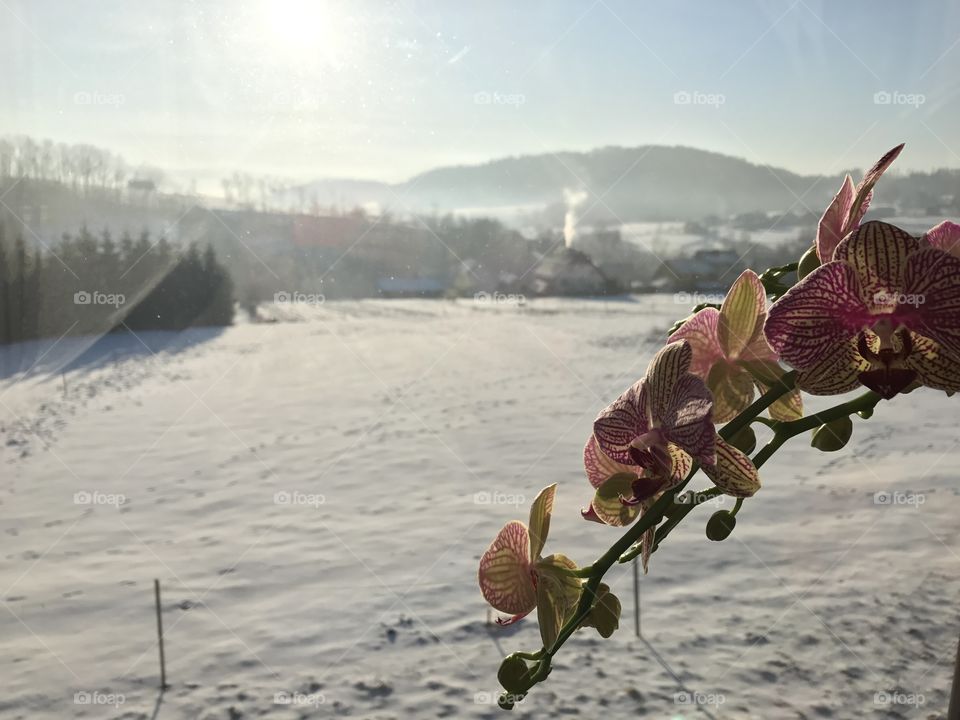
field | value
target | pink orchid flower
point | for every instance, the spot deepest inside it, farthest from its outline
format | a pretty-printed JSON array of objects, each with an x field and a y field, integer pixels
[
  {"x": 885, "y": 313},
  {"x": 848, "y": 207},
  {"x": 945, "y": 236},
  {"x": 730, "y": 352},
  {"x": 644, "y": 443},
  {"x": 515, "y": 579}
]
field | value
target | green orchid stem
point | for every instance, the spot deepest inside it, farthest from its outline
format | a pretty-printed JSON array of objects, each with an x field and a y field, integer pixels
[
  {"x": 627, "y": 547},
  {"x": 736, "y": 508}
]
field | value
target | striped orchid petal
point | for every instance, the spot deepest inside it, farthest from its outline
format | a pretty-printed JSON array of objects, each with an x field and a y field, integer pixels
[
  {"x": 506, "y": 574},
  {"x": 816, "y": 316},
  {"x": 700, "y": 332},
  {"x": 945, "y": 236},
  {"x": 934, "y": 366},
  {"x": 865, "y": 188},
  {"x": 540, "y": 512},
  {"x": 932, "y": 282},
  {"x": 668, "y": 366},
  {"x": 732, "y": 390},
  {"x": 741, "y": 315},
  {"x": 608, "y": 502},
  {"x": 688, "y": 421},
  {"x": 878, "y": 253},
  {"x": 599, "y": 466},
  {"x": 833, "y": 224},
  {"x": 733, "y": 472},
  {"x": 557, "y": 595},
  {"x": 836, "y": 372},
  {"x": 621, "y": 422}
]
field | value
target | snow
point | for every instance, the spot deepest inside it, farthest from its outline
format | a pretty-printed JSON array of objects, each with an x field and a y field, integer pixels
[{"x": 404, "y": 434}]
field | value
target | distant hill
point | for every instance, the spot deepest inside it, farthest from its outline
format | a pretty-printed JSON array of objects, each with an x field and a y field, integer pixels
[{"x": 633, "y": 184}]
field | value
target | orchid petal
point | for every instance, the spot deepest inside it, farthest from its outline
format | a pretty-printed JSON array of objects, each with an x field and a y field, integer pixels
[
  {"x": 621, "y": 422},
  {"x": 946, "y": 237},
  {"x": 788, "y": 407},
  {"x": 607, "y": 503},
  {"x": 742, "y": 311},
  {"x": 733, "y": 472},
  {"x": 647, "y": 541},
  {"x": 836, "y": 372},
  {"x": 878, "y": 253},
  {"x": 833, "y": 224},
  {"x": 865, "y": 188},
  {"x": 681, "y": 463},
  {"x": 700, "y": 331},
  {"x": 934, "y": 366},
  {"x": 816, "y": 316},
  {"x": 732, "y": 390},
  {"x": 540, "y": 512},
  {"x": 670, "y": 364},
  {"x": 689, "y": 419},
  {"x": 600, "y": 466},
  {"x": 505, "y": 575},
  {"x": 557, "y": 595},
  {"x": 932, "y": 281}
]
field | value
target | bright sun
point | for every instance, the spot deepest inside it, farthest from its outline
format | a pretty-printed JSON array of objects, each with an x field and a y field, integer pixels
[{"x": 298, "y": 26}]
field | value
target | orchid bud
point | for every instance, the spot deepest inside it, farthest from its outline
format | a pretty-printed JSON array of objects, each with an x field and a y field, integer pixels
[
  {"x": 808, "y": 263},
  {"x": 744, "y": 440},
  {"x": 834, "y": 435},
  {"x": 720, "y": 525},
  {"x": 514, "y": 675}
]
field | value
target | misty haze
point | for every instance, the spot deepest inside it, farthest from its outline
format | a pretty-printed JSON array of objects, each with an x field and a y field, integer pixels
[{"x": 301, "y": 301}]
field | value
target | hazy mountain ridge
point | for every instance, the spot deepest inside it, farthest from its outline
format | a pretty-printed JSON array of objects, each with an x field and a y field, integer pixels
[{"x": 648, "y": 182}]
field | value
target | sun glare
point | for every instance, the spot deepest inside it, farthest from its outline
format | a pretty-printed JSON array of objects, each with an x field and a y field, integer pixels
[{"x": 298, "y": 27}]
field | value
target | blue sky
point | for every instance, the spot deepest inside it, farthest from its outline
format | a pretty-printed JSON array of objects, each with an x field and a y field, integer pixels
[{"x": 387, "y": 89}]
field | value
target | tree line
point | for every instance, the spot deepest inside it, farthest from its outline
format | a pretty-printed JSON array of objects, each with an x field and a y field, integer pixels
[{"x": 91, "y": 285}]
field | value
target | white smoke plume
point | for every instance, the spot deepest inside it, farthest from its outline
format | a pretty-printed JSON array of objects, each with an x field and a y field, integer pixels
[{"x": 573, "y": 200}]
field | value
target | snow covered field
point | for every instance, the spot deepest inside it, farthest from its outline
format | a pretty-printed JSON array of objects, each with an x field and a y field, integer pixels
[{"x": 314, "y": 496}]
